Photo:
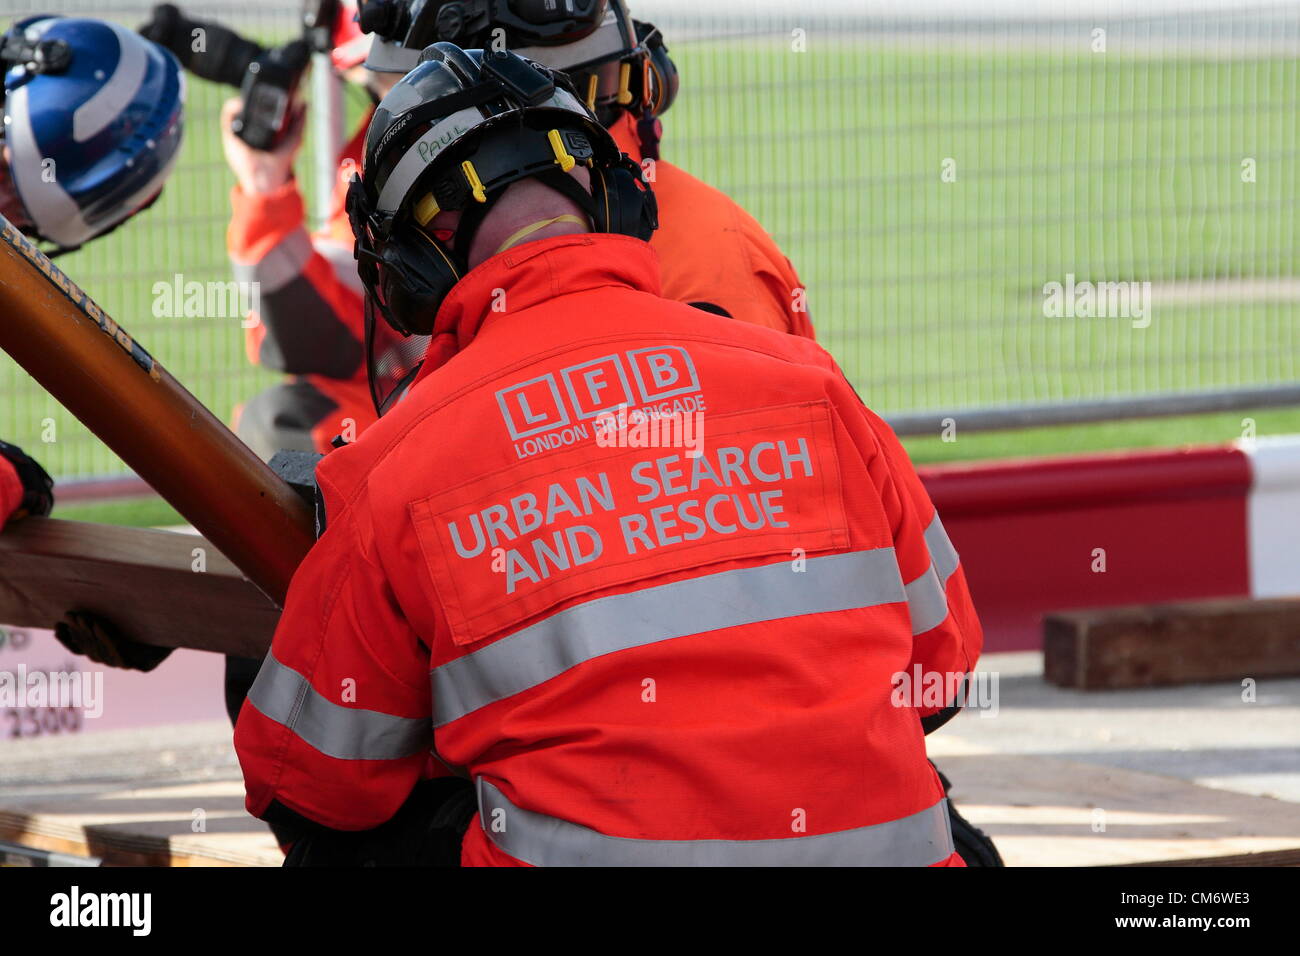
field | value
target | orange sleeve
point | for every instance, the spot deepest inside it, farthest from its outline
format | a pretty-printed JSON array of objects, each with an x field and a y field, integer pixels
[
  {"x": 307, "y": 318},
  {"x": 777, "y": 276},
  {"x": 716, "y": 255}
]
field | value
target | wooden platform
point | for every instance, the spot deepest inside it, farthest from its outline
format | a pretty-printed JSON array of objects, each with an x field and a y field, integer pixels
[
  {"x": 135, "y": 806},
  {"x": 130, "y": 797},
  {"x": 151, "y": 826}
]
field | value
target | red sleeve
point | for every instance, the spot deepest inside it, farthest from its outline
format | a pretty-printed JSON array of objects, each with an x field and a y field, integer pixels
[
  {"x": 946, "y": 632},
  {"x": 338, "y": 725},
  {"x": 11, "y": 490}
]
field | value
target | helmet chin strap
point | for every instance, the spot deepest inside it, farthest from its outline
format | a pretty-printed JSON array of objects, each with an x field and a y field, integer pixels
[{"x": 516, "y": 237}]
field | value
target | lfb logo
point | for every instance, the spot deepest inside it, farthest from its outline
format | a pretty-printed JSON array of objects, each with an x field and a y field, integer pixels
[{"x": 566, "y": 401}]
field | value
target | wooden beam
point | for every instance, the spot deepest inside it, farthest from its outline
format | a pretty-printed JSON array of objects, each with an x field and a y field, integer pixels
[
  {"x": 104, "y": 377},
  {"x": 1147, "y": 646},
  {"x": 157, "y": 587}
]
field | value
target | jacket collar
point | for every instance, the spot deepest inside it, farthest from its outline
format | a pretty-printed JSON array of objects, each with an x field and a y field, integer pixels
[
  {"x": 626, "y": 136},
  {"x": 537, "y": 272}
]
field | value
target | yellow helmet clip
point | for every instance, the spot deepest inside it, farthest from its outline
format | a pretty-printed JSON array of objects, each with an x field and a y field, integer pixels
[
  {"x": 562, "y": 156},
  {"x": 475, "y": 184},
  {"x": 624, "y": 83}
]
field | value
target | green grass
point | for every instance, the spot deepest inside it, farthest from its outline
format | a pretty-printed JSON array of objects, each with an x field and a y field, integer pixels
[
  {"x": 1110, "y": 168},
  {"x": 147, "y": 512},
  {"x": 928, "y": 292},
  {"x": 1103, "y": 436}
]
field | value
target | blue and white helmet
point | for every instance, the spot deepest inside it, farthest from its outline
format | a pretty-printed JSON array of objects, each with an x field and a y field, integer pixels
[{"x": 90, "y": 143}]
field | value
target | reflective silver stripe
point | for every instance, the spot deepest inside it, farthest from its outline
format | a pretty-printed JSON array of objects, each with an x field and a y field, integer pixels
[
  {"x": 921, "y": 839},
  {"x": 344, "y": 262},
  {"x": 348, "y": 733},
  {"x": 927, "y": 596},
  {"x": 284, "y": 263},
  {"x": 527, "y": 658},
  {"x": 942, "y": 553},
  {"x": 927, "y": 602}
]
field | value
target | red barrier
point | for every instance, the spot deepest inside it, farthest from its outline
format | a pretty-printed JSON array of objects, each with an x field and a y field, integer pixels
[{"x": 1054, "y": 534}]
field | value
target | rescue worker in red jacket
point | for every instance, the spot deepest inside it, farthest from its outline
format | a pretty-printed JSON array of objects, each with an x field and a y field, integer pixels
[
  {"x": 25, "y": 488},
  {"x": 645, "y": 576},
  {"x": 714, "y": 254}
]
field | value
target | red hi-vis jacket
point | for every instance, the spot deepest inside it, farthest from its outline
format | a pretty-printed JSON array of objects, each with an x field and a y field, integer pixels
[
  {"x": 310, "y": 300},
  {"x": 11, "y": 490},
  {"x": 640, "y": 654}
]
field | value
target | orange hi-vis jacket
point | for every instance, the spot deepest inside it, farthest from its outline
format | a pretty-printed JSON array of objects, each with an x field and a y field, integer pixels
[
  {"x": 714, "y": 252},
  {"x": 642, "y": 651},
  {"x": 311, "y": 319}
]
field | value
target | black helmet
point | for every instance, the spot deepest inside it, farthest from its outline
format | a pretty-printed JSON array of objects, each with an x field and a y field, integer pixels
[
  {"x": 403, "y": 28},
  {"x": 617, "y": 64},
  {"x": 453, "y": 134}
]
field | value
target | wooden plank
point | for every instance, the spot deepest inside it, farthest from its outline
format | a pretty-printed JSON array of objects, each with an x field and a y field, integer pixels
[
  {"x": 143, "y": 581},
  {"x": 1153, "y": 645}
]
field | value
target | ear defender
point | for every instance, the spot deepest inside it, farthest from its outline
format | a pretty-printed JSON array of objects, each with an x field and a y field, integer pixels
[
  {"x": 653, "y": 84},
  {"x": 420, "y": 273},
  {"x": 622, "y": 205},
  {"x": 663, "y": 76}
]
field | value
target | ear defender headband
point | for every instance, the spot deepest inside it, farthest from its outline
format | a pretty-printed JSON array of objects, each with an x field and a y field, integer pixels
[{"x": 646, "y": 85}]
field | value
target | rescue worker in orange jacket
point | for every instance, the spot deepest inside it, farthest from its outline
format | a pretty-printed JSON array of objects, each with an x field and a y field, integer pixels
[
  {"x": 309, "y": 320},
  {"x": 645, "y": 576},
  {"x": 714, "y": 254}
]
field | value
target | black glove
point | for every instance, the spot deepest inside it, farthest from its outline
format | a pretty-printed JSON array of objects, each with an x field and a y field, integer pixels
[
  {"x": 426, "y": 831},
  {"x": 38, "y": 487},
  {"x": 94, "y": 637}
]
